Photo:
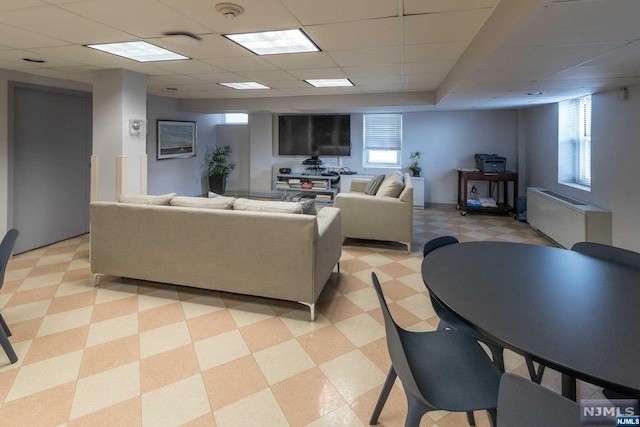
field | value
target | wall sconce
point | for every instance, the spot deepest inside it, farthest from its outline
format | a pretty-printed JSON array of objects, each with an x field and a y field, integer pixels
[{"x": 137, "y": 127}]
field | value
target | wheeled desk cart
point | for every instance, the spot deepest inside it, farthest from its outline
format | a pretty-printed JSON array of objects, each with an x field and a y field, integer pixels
[{"x": 498, "y": 177}]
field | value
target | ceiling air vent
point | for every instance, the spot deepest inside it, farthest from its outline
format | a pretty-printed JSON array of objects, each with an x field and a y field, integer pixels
[{"x": 229, "y": 10}]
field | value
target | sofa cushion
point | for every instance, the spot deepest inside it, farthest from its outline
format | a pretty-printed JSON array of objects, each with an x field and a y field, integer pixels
[
  {"x": 374, "y": 185},
  {"x": 144, "y": 199},
  {"x": 219, "y": 202},
  {"x": 391, "y": 186},
  {"x": 308, "y": 207},
  {"x": 267, "y": 206}
]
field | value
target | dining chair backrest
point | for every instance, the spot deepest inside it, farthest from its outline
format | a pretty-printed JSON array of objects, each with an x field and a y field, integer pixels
[
  {"x": 395, "y": 346},
  {"x": 5, "y": 251},
  {"x": 523, "y": 403},
  {"x": 610, "y": 253},
  {"x": 436, "y": 243}
]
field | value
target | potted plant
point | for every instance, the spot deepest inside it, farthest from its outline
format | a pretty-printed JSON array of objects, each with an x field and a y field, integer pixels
[
  {"x": 413, "y": 166},
  {"x": 218, "y": 167}
]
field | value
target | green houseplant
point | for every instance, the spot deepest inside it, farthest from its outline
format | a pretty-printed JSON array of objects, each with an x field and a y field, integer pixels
[
  {"x": 413, "y": 166},
  {"x": 218, "y": 167}
]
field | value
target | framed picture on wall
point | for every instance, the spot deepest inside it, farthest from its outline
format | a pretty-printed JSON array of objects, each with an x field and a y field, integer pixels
[{"x": 176, "y": 139}]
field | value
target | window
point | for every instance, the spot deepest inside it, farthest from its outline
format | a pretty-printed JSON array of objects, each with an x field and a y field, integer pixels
[
  {"x": 236, "y": 118},
  {"x": 382, "y": 140},
  {"x": 574, "y": 141}
]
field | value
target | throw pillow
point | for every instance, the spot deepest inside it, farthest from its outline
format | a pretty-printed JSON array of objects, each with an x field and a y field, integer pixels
[
  {"x": 219, "y": 202},
  {"x": 308, "y": 207},
  {"x": 392, "y": 186},
  {"x": 374, "y": 185},
  {"x": 144, "y": 199},
  {"x": 267, "y": 206}
]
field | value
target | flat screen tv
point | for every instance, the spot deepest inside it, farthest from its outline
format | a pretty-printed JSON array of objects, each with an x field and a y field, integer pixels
[{"x": 320, "y": 135}]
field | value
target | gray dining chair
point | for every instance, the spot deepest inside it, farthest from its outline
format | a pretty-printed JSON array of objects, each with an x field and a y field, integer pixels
[
  {"x": 5, "y": 253},
  {"x": 448, "y": 320},
  {"x": 523, "y": 403},
  {"x": 615, "y": 254},
  {"x": 440, "y": 370}
]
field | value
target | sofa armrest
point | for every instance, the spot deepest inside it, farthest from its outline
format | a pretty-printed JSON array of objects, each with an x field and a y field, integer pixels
[{"x": 328, "y": 247}]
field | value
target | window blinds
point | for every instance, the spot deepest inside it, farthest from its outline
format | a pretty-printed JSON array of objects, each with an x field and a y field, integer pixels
[
  {"x": 574, "y": 141},
  {"x": 383, "y": 131}
]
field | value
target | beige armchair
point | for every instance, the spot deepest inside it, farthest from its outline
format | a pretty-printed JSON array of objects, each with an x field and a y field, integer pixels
[{"x": 377, "y": 218}]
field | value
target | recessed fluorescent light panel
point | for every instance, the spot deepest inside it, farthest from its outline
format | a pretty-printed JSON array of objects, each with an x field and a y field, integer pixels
[
  {"x": 245, "y": 85},
  {"x": 138, "y": 51},
  {"x": 329, "y": 82},
  {"x": 275, "y": 42}
]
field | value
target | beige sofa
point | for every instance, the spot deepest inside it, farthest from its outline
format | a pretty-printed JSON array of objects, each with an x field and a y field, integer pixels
[
  {"x": 274, "y": 255},
  {"x": 377, "y": 218}
]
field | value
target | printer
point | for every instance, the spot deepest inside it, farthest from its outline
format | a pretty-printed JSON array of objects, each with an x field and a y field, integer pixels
[{"x": 490, "y": 163}]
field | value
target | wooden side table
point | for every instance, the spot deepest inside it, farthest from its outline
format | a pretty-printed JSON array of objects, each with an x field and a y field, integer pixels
[{"x": 503, "y": 205}]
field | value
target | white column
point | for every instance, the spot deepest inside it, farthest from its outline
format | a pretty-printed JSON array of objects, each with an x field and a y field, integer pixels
[
  {"x": 118, "y": 96},
  {"x": 261, "y": 143}
]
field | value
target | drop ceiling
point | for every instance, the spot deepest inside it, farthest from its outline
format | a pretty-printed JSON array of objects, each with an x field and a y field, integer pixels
[{"x": 461, "y": 54}]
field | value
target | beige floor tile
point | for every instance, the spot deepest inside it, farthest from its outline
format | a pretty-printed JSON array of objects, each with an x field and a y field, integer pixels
[
  {"x": 6, "y": 381},
  {"x": 325, "y": 344},
  {"x": 113, "y": 309},
  {"x": 365, "y": 276},
  {"x": 168, "y": 367},
  {"x": 64, "y": 321},
  {"x": 20, "y": 274},
  {"x": 107, "y": 388},
  {"x": 72, "y": 302},
  {"x": 160, "y": 316},
  {"x": 376, "y": 260},
  {"x": 347, "y": 283},
  {"x": 78, "y": 263},
  {"x": 395, "y": 270},
  {"x": 75, "y": 287},
  {"x": 46, "y": 408},
  {"x": 418, "y": 304},
  {"x": 233, "y": 381},
  {"x": 414, "y": 281},
  {"x": 203, "y": 421},
  {"x": 20, "y": 264},
  {"x": 209, "y": 325},
  {"x": 366, "y": 298},
  {"x": 361, "y": 329},
  {"x": 78, "y": 274},
  {"x": 298, "y": 322},
  {"x": 48, "y": 269},
  {"x": 338, "y": 309},
  {"x": 55, "y": 259},
  {"x": 57, "y": 344},
  {"x": 175, "y": 403},
  {"x": 342, "y": 416},
  {"x": 395, "y": 290},
  {"x": 283, "y": 361},
  {"x": 414, "y": 262},
  {"x": 4, "y": 299},
  {"x": 112, "y": 329},
  {"x": 259, "y": 409},
  {"x": 220, "y": 349},
  {"x": 251, "y": 312},
  {"x": 353, "y": 374},
  {"x": 32, "y": 295},
  {"x": 127, "y": 413},
  {"x": 157, "y": 298},
  {"x": 264, "y": 334},
  {"x": 21, "y": 349},
  {"x": 46, "y": 374},
  {"x": 109, "y": 355},
  {"x": 163, "y": 339},
  {"x": 307, "y": 396},
  {"x": 114, "y": 291},
  {"x": 23, "y": 312},
  {"x": 378, "y": 353},
  {"x": 394, "y": 412},
  {"x": 201, "y": 305}
]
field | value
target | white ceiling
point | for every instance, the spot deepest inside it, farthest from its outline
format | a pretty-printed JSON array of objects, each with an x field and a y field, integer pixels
[{"x": 471, "y": 53}]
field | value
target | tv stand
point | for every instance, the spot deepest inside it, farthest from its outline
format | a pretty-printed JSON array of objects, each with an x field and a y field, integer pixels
[{"x": 292, "y": 185}]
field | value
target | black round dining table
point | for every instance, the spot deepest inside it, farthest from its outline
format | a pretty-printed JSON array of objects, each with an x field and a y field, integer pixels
[{"x": 573, "y": 313}]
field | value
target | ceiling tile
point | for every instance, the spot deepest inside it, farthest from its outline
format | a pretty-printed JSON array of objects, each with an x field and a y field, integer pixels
[
  {"x": 187, "y": 66},
  {"x": 46, "y": 72},
  {"x": 597, "y": 71},
  {"x": 19, "y": 4},
  {"x": 144, "y": 68},
  {"x": 142, "y": 18},
  {"x": 249, "y": 63},
  {"x": 373, "y": 70},
  {"x": 19, "y": 55},
  {"x": 211, "y": 46},
  {"x": 376, "y": 80},
  {"x": 259, "y": 15},
  {"x": 286, "y": 84},
  {"x": 545, "y": 56},
  {"x": 83, "y": 55},
  {"x": 439, "y": 67},
  {"x": 434, "y": 51},
  {"x": 21, "y": 39},
  {"x": 380, "y": 88},
  {"x": 444, "y": 27},
  {"x": 302, "y": 91},
  {"x": 312, "y": 12},
  {"x": 430, "y": 78},
  {"x": 221, "y": 78},
  {"x": 54, "y": 22},
  {"x": 628, "y": 54},
  {"x": 174, "y": 80},
  {"x": 509, "y": 75},
  {"x": 297, "y": 61},
  {"x": 356, "y": 35},
  {"x": 339, "y": 90},
  {"x": 319, "y": 73},
  {"x": 581, "y": 22},
  {"x": 381, "y": 55},
  {"x": 83, "y": 70},
  {"x": 420, "y": 86},
  {"x": 273, "y": 75},
  {"x": 414, "y": 7}
]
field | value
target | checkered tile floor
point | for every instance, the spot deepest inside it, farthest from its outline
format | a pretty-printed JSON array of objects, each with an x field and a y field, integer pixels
[{"x": 137, "y": 353}]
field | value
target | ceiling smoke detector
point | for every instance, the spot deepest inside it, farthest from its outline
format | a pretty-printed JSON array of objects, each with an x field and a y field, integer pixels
[{"x": 229, "y": 10}]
